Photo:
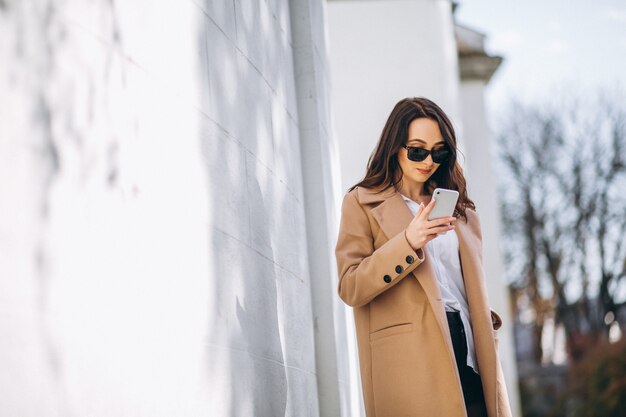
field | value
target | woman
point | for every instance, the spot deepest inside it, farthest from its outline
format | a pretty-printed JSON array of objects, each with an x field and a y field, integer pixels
[{"x": 427, "y": 338}]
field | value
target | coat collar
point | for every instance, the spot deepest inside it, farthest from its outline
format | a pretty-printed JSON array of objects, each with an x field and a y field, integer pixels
[{"x": 372, "y": 195}]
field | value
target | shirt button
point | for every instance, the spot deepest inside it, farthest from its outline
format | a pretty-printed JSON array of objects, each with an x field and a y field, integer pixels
[
  {"x": 399, "y": 269},
  {"x": 409, "y": 259},
  {"x": 387, "y": 278}
]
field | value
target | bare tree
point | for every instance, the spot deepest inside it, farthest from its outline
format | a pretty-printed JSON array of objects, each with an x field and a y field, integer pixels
[{"x": 563, "y": 178}]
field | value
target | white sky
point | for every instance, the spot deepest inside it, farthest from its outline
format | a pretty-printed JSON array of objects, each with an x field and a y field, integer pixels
[{"x": 556, "y": 44}]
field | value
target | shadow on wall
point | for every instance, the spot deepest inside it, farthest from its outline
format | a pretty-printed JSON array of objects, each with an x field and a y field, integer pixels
[
  {"x": 118, "y": 297},
  {"x": 57, "y": 121},
  {"x": 250, "y": 212}
]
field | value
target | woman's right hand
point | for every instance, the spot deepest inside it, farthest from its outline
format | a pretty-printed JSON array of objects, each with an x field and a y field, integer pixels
[{"x": 421, "y": 230}]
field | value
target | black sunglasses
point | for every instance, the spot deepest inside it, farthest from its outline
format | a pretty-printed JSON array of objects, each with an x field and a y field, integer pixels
[{"x": 417, "y": 154}]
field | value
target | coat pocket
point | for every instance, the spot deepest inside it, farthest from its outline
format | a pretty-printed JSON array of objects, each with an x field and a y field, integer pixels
[
  {"x": 391, "y": 330},
  {"x": 397, "y": 372}
]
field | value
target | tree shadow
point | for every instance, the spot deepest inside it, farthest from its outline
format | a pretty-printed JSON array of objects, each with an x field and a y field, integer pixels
[{"x": 247, "y": 358}]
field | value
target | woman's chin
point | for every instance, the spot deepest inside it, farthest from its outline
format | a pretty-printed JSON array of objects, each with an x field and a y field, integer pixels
[{"x": 422, "y": 177}]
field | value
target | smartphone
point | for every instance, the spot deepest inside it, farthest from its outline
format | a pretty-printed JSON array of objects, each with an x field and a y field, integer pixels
[{"x": 445, "y": 202}]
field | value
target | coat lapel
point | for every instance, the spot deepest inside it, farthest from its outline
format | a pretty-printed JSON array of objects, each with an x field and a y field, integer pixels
[
  {"x": 393, "y": 216},
  {"x": 480, "y": 312}
]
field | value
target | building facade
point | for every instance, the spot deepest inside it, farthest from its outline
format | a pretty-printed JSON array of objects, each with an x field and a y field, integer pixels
[{"x": 170, "y": 179}]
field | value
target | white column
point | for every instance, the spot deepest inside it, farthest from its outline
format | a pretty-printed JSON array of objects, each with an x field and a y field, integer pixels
[
  {"x": 382, "y": 51},
  {"x": 482, "y": 190},
  {"x": 320, "y": 172}
]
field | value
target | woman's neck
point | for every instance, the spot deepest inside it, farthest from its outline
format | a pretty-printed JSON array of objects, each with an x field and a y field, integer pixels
[{"x": 414, "y": 191}]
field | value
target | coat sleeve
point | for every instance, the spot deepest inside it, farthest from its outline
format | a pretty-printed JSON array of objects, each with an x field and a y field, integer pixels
[{"x": 364, "y": 272}]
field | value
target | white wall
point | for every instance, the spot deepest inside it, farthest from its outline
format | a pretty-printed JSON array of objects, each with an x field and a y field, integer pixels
[
  {"x": 153, "y": 239},
  {"x": 382, "y": 51},
  {"x": 482, "y": 189},
  {"x": 320, "y": 169}
]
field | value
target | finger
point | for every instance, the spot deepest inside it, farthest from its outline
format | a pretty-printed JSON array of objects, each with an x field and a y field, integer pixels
[
  {"x": 440, "y": 229},
  {"x": 440, "y": 221},
  {"x": 431, "y": 237},
  {"x": 420, "y": 210},
  {"x": 436, "y": 230},
  {"x": 444, "y": 220},
  {"x": 428, "y": 209}
]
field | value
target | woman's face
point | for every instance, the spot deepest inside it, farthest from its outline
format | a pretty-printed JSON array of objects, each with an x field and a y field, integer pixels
[{"x": 423, "y": 133}]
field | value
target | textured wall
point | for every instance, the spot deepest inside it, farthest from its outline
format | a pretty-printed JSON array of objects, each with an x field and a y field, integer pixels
[
  {"x": 337, "y": 380},
  {"x": 153, "y": 248}
]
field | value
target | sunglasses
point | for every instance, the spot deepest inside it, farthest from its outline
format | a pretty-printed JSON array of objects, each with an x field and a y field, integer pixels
[{"x": 417, "y": 154}]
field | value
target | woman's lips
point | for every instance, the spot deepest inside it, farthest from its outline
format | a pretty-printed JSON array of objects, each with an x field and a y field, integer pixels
[{"x": 424, "y": 171}]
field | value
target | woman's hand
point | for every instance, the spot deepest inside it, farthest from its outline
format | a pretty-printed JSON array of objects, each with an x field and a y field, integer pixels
[{"x": 421, "y": 231}]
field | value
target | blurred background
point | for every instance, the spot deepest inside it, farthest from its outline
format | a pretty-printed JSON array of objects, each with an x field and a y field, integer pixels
[{"x": 171, "y": 175}]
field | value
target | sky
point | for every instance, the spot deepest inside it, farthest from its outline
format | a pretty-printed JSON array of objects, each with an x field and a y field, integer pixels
[{"x": 549, "y": 46}]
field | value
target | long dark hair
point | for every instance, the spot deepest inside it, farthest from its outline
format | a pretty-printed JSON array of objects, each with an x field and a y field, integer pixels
[{"x": 383, "y": 169}]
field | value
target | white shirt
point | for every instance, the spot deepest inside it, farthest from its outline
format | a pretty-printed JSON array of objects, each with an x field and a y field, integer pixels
[{"x": 444, "y": 253}]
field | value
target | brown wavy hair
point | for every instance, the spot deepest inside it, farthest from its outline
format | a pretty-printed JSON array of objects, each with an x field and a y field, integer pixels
[{"x": 383, "y": 169}]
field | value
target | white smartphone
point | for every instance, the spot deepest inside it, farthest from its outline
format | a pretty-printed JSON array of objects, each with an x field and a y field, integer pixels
[{"x": 445, "y": 202}]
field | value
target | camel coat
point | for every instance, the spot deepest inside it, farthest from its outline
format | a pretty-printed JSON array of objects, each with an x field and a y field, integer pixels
[{"x": 405, "y": 350}]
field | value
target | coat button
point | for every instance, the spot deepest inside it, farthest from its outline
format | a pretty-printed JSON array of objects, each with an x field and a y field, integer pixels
[
  {"x": 409, "y": 259},
  {"x": 399, "y": 268},
  {"x": 387, "y": 278}
]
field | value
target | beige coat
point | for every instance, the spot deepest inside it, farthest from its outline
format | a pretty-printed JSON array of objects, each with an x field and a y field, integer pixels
[{"x": 405, "y": 351}]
